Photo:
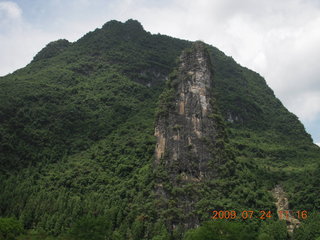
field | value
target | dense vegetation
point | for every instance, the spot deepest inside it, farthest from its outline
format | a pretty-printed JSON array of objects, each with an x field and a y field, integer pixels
[{"x": 76, "y": 143}]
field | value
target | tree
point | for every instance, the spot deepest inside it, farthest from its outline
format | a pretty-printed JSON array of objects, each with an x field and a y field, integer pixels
[
  {"x": 273, "y": 230},
  {"x": 91, "y": 228},
  {"x": 309, "y": 229},
  {"x": 10, "y": 228},
  {"x": 219, "y": 230}
]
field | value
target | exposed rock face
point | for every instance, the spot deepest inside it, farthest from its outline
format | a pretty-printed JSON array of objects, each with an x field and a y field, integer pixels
[
  {"x": 186, "y": 133},
  {"x": 183, "y": 135},
  {"x": 283, "y": 211}
]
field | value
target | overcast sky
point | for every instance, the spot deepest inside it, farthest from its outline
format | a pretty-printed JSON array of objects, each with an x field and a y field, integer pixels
[{"x": 280, "y": 39}]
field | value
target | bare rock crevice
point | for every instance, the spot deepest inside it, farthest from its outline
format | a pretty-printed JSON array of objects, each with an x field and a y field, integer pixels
[
  {"x": 181, "y": 135},
  {"x": 186, "y": 133},
  {"x": 283, "y": 211}
]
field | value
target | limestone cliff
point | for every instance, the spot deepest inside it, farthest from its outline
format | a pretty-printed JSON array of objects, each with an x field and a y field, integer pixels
[
  {"x": 186, "y": 130},
  {"x": 184, "y": 133}
]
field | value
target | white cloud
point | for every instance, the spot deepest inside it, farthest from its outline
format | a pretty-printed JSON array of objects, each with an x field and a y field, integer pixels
[
  {"x": 305, "y": 104},
  {"x": 10, "y": 10},
  {"x": 19, "y": 40},
  {"x": 18, "y": 47}
]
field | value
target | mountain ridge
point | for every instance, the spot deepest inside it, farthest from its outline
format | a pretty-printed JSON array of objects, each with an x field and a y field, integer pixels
[{"x": 77, "y": 140}]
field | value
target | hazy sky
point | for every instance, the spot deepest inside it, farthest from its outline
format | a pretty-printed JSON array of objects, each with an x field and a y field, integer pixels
[{"x": 278, "y": 39}]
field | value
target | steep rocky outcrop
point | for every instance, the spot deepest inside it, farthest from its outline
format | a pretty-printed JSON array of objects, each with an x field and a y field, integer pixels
[{"x": 186, "y": 131}]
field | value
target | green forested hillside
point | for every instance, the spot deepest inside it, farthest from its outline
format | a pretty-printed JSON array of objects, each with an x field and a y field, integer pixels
[{"x": 77, "y": 144}]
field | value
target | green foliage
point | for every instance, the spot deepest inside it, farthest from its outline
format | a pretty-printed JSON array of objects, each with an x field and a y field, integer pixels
[
  {"x": 91, "y": 228},
  {"x": 223, "y": 229},
  {"x": 41, "y": 235},
  {"x": 307, "y": 190},
  {"x": 273, "y": 230},
  {"x": 220, "y": 230},
  {"x": 165, "y": 102},
  {"x": 309, "y": 229},
  {"x": 160, "y": 231},
  {"x": 62, "y": 103},
  {"x": 52, "y": 49},
  {"x": 77, "y": 144},
  {"x": 10, "y": 228}
]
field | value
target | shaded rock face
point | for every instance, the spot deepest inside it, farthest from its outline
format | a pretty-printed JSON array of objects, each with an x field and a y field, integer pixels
[{"x": 184, "y": 133}]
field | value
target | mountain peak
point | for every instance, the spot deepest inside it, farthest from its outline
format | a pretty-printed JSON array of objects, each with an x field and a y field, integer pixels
[
  {"x": 52, "y": 49},
  {"x": 134, "y": 23},
  {"x": 129, "y": 24}
]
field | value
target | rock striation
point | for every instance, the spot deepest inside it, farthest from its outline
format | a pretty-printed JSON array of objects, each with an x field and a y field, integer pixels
[{"x": 185, "y": 133}]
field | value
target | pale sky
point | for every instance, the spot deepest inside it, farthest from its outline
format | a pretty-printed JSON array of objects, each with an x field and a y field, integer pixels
[{"x": 278, "y": 39}]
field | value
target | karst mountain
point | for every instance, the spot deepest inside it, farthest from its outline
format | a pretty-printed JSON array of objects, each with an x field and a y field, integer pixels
[{"x": 124, "y": 134}]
